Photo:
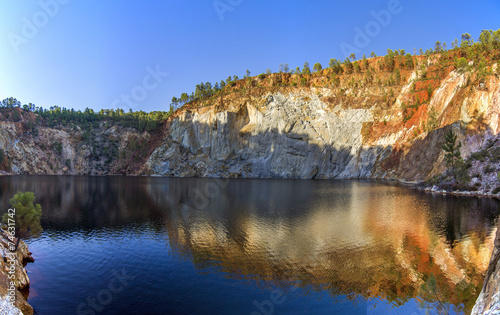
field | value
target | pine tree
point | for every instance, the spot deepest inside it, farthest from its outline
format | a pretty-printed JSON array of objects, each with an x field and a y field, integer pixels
[
  {"x": 452, "y": 149},
  {"x": 26, "y": 214}
]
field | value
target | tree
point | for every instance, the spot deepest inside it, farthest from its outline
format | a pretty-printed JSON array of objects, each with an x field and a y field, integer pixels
[
  {"x": 317, "y": 67},
  {"x": 452, "y": 149},
  {"x": 466, "y": 40},
  {"x": 284, "y": 68},
  {"x": 348, "y": 65},
  {"x": 268, "y": 71},
  {"x": 409, "y": 62},
  {"x": 461, "y": 64},
  {"x": 373, "y": 54},
  {"x": 306, "y": 69},
  {"x": 247, "y": 75},
  {"x": 437, "y": 46},
  {"x": 25, "y": 214},
  {"x": 365, "y": 62},
  {"x": 352, "y": 56},
  {"x": 356, "y": 66},
  {"x": 297, "y": 70}
]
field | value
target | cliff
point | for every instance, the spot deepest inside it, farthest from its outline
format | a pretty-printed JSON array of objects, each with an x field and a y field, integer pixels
[
  {"x": 356, "y": 128},
  {"x": 369, "y": 123},
  {"x": 488, "y": 301},
  {"x": 105, "y": 149}
]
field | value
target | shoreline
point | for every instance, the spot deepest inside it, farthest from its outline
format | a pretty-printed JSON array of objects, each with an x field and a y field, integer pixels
[{"x": 13, "y": 276}]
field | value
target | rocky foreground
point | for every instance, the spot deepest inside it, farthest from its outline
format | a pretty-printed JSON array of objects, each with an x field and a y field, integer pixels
[{"x": 13, "y": 277}]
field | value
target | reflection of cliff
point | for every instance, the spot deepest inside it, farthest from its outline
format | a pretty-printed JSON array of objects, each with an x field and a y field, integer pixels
[
  {"x": 348, "y": 237},
  {"x": 363, "y": 239},
  {"x": 70, "y": 202}
]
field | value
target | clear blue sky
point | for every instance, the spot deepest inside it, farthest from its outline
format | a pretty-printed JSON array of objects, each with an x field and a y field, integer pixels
[{"x": 90, "y": 53}]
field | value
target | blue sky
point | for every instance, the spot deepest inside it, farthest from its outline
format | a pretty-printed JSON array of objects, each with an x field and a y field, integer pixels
[{"x": 92, "y": 53}]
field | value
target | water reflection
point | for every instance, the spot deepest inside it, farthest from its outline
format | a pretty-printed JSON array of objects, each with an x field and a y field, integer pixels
[{"x": 353, "y": 238}]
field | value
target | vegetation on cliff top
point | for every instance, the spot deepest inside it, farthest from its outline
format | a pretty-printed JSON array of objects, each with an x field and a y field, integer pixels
[
  {"x": 484, "y": 53},
  {"x": 391, "y": 70}
]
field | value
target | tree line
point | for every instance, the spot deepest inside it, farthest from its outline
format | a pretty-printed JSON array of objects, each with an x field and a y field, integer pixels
[
  {"x": 88, "y": 118},
  {"x": 489, "y": 40}
]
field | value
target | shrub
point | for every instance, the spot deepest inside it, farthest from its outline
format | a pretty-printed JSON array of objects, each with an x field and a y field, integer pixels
[
  {"x": 429, "y": 91},
  {"x": 479, "y": 155},
  {"x": 26, "y": 214},
  {"x": 489, "y": 169},
  {"x": 461, "y": 64},
  {"x": 57, "y": 147}
]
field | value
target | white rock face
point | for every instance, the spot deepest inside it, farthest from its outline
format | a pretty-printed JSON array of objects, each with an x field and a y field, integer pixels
[
  {"x": 7, "y": 308},
  {"x": 287, "y": 136},
  {"x": 327, "y": 133}
]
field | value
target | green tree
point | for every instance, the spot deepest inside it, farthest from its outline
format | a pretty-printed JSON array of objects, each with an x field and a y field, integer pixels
[
  {"x": 317, "y": 67},
  {"x": 348, "y": 65},
  {"x": 452, "y": 149},
  {"x": 26, "y": 214},
  {"x": 352, "y": 56},
  {"x": 466, "y": 40},
  {"x": 437, "y": 46},
  {"x": 409, "y": 62},
  {"x": 284, "y": 68},
  {"x": 461, "y": 64},
  {"x": 373, "y": 54},
  {"x": 365, "y": 62},
  {"x": 306, "y": 69}
]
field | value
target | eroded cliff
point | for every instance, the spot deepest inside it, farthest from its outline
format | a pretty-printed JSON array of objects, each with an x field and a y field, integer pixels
[{"x": 270, "y": 127}]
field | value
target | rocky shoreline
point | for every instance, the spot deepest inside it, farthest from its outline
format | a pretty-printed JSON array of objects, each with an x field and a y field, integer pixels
[
  {"x": 488, "y": 301},
  {"x": 13, "y": 277}
]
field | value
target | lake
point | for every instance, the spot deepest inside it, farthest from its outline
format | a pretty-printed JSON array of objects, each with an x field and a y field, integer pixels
[{"x": 150, "y": 245}]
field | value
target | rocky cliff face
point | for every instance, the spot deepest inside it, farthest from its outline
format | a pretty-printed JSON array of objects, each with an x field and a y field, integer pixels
[
  {"x": 323, "y": 132},
  {"x": 362, "y": 125},
  {"x": 488, "y": 301},
  {"x": 103, "y": 150}
]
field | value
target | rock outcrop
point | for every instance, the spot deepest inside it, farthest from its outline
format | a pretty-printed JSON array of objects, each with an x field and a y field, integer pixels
[
  {"x": 488, "y": 301},
  {"x": 13, "y": 276},
  {"x": 74, "y": 151}
]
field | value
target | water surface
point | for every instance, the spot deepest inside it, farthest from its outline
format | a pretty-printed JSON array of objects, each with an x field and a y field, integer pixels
[{"x": 145, "y": 245}]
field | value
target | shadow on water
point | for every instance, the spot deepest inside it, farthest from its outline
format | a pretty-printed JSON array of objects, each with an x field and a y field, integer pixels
[{"x": 358, "y": 239}]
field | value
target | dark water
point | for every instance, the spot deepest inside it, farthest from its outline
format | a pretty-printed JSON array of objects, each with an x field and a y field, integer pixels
[{"x": 124, "y": 245}]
